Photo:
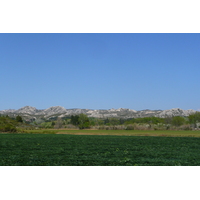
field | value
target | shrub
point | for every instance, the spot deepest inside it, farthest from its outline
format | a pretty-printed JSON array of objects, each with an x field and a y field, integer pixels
[
  {"x": 130, "y": 127},
  {"x": 7, "y": 128}
]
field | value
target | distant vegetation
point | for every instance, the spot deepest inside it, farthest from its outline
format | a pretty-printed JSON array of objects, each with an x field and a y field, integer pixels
[
  {"x": 82, "y": 121},
  {"x": 8, "y": 124}
]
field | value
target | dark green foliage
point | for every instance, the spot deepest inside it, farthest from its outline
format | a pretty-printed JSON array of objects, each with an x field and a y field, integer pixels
[
  {"x": 95, "y": 121},
  {"x": 145, "y": 120},
  {"x": 114, "y": 121},
  {"x": 73, "y": 150},
  {"x": 121, "y": 121},
  {"x": 19, "y": 119},
  {"x": 129, "y": 121},
  {"x": 75, "y": 120},
  {"x": 106, "y": 121},
  {"x": 150, "y": 120},
  {"x": 82, "y": 121},
  {"x": 175, "y": 121},
  {"x": 178, "y": 121},
  {"x": 194, "y": 118}
]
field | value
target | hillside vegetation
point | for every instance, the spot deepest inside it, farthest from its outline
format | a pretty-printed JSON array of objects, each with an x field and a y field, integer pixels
[
  {"x": 8, "y": 124},
  {"x": 82, "y": 121}
]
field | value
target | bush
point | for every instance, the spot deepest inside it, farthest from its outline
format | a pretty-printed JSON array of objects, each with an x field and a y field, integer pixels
[
  {"x": 84, "y": 125},
  {"x": 7, "y": 124},
  {"x": 7, "y": 128},
  {"x": 186, "y": 127},
  {"x": 129, "y": 127}
]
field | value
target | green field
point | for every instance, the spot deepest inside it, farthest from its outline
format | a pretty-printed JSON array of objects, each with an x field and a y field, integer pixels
[
  {"x": 168, "y": 133},
  {"x": 98, "y": 150}
]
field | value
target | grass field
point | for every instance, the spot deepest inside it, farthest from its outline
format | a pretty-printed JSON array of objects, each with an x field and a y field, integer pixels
[
  {"x": 99, "y": 150},
  {"x": 168, "y": 133}
]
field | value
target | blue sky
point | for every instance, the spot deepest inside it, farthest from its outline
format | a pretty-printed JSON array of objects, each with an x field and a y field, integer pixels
[{"x": 100, "y": 71}]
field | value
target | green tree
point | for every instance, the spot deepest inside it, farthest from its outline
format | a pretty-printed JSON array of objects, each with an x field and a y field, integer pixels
[
  {"x": 114, "y": 121},
  {"x": 178, "y": 121},
  {"x": 99, "y": 122},
  {"x": 46, "y": 125},
  {"x": 53, "y": 124},
  {"x": 75, "y": 120},
  {"x": 83, "y": 121},
  {"x": 194, "y": 118},
  {"x": 19, "y": 119},
  {"x": 168, "y": 120}
]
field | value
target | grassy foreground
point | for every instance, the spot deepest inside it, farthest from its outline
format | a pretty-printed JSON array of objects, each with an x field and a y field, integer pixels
[{"x": 97, "y": 150}]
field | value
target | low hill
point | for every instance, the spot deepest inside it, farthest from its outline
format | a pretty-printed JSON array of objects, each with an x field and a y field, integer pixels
[{"x": 30, "y": 113}]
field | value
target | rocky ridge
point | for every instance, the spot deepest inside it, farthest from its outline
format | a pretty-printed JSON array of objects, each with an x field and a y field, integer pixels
[{"x": 29, "y": 112}]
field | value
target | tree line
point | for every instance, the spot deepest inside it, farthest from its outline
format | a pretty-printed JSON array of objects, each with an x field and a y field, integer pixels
[{"x": 82, "y": 121}]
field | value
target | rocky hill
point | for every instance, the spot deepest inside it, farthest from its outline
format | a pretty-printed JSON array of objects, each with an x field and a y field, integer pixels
[{"x": 29, "y": 112}]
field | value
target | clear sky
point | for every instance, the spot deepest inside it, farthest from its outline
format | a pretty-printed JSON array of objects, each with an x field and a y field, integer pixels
[{"x": 100, "y": 71}]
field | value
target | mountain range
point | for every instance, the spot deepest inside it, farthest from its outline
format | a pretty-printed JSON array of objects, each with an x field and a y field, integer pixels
[{"x": 29, "y": 112}]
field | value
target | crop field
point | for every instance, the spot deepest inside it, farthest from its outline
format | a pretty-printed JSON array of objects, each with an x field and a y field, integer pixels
[
  {"x": 97, "y": 150},
  {"x": 168, "y": 133}
]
